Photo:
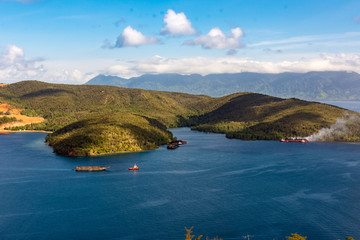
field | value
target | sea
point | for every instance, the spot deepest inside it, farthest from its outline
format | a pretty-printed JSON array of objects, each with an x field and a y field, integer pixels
[{"x": 221, "y": 187}]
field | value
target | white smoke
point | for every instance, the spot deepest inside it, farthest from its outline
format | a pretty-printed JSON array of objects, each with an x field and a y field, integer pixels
[{"x": 344, "y": 129}]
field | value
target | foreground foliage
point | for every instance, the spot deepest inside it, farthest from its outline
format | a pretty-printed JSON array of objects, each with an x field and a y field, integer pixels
[
  {"x": 188, "y": 235},
  {"x": 294, "y": 236}
]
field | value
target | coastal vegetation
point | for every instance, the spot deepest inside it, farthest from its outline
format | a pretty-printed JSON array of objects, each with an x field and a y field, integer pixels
[
  {"x": 91, "y": 120},
  {"x": 12, "y": 118},
  {"x": 7, "y": 119}
]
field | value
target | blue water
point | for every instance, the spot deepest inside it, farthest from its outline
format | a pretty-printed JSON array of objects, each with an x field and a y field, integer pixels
[{"x": 223, "y": 187}]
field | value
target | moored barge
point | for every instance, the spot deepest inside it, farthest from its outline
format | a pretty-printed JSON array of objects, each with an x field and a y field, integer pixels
[
  {"x": 90, "y": 169},
  {"x": 175, "y": 144},
  {"x": 300, "y": 140}
]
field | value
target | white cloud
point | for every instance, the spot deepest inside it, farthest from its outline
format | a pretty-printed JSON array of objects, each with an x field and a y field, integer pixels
[
  {"x": 307, "y": 39},
  {"x": 177, "y": 24},
  {"x": 14, "y": 66},
  {"x": 217, "y": 39},
  {"x": 204, "y": 66},
  {"x": 132, "y": 38},
  {"x": 74, "y": 76}
]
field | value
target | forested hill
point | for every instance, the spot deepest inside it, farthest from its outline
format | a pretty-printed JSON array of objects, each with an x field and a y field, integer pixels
[
  {"x": 91, "y": 120},
  {"x": 329, "y": 85}
]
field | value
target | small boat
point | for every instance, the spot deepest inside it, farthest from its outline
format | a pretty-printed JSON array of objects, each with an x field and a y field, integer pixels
[
  {"x": 134, "y": 168},
  {"x": 177, "y": 142},
  {"x": 301, "y": 140},
  {"x": 172, "y": 146},
  {"x": 4, "y": 133},
  {"x": 91, "y": 169}
]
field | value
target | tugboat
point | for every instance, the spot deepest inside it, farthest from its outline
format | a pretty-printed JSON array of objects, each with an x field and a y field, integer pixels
[
  {"x": 91, "y": 169},
  {"x": 175, "y": 144},
  {"x": 300, "y": 140},
  {"x": 134, "y": 168},
  {"x": 178, "y": 142},
  {"x": 172, "y": 146}
]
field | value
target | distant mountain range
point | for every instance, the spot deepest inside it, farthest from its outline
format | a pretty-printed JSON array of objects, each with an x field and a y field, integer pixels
[{"x": 327, "y": 85}]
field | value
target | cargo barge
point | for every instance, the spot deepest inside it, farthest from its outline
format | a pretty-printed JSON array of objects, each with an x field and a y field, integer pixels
[
  {"x": 91, "y": 169},
  {"x": 300, "y": 140}
]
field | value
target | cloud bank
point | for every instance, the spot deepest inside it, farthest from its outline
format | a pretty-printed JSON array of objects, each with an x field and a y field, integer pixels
[
  {"x": 14, "y": 65},
  {"x": 204, "y": 66},
  {"x": 217, "y": 39},
  {"x": 177, "y": 24}
]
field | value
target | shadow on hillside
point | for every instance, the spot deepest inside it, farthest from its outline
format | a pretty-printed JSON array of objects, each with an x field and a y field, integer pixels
[
  {"x": 45, "y": 92},
  {"x": 144, "y": 136},
  {"x": 297, "y": 124},
  {"x": 248, "y": 107}
]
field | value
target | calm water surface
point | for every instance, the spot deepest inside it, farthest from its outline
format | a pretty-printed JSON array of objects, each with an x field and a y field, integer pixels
[{"x": 223, "y": 187}]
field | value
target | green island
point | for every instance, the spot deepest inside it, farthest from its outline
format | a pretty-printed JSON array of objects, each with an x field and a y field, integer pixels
[{"x": 92, "y": 120}]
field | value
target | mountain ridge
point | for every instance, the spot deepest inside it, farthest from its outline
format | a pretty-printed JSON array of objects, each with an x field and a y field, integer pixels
[{"x": 325, "y": 85}]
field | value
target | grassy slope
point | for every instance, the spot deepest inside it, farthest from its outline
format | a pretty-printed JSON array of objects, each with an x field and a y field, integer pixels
[
  {"x": 95, "y": 112},
  {"x": 64, "y": 104}
]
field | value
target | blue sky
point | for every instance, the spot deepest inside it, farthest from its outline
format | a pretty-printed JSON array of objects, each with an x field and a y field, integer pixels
[{"x": 72, "y": 41}]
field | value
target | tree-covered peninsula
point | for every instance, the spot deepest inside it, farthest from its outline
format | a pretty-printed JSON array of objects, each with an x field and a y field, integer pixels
[
  {"x": 120, "y": 132},
  {"x": 92, "y": 120}
]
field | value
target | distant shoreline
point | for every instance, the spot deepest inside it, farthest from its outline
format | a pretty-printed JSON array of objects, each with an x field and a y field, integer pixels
[{"x": 24, "y": 131}]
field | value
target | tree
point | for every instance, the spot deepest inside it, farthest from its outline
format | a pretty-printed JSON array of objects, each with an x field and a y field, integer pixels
[
  {"x": 295, "y": 236},
  {"x": 189, "y": 236}
]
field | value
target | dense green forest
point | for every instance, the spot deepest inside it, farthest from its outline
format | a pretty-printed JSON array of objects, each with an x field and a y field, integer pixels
[
  {"x": 121, "y": 132},
  {"x": 89, "y": 119}
]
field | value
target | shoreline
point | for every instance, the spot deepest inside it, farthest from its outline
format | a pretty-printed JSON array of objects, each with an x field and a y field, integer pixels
[
  {"x": 24, "y": 131},
  {"x": 104, "y": 154}
]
